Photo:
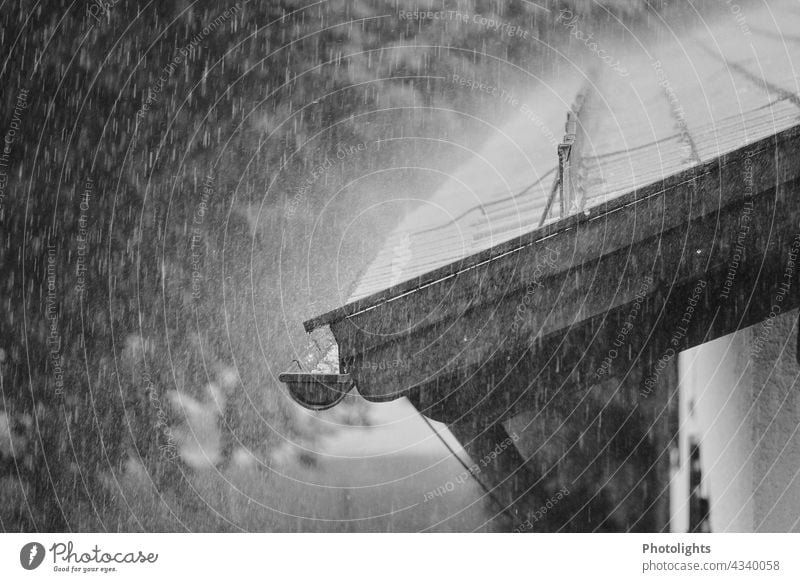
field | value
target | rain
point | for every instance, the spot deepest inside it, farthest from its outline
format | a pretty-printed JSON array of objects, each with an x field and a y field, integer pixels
[{"x": 184, "y": 184}]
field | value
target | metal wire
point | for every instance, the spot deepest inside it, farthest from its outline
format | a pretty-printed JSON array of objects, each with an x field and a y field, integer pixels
[
  {"x": 553, "y": 190},
  {"x": 514, "y": 519}
]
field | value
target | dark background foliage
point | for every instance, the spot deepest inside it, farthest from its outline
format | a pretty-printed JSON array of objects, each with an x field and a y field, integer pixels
[{"x": 205, "y": 226}]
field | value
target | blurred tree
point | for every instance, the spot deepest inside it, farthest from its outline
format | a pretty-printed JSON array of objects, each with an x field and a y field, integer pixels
[{"x": 158, "y": 152}]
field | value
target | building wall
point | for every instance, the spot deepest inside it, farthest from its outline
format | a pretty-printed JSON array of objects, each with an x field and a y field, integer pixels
[
  {"x": 607, "y": 447},
  {"x": 775, "y": 430},
  {"x": 739, "y": 400}
]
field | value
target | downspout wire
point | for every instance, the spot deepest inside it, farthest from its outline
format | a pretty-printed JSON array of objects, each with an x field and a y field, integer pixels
[{"x": 514, "y": 519}]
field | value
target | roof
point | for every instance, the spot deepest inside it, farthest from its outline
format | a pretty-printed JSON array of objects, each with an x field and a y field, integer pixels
[
  {"x": 657, "y": 168},
  {"x": 684, "y": 102}
]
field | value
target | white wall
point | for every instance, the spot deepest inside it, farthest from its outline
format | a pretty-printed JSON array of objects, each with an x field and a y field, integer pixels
[{"x": 739, "y": 399}]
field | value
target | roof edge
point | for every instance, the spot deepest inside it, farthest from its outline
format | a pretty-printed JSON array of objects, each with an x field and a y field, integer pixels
[{"x": 539, "y": 234}]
